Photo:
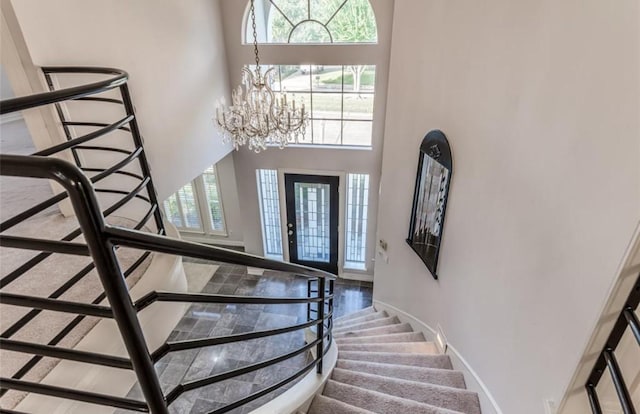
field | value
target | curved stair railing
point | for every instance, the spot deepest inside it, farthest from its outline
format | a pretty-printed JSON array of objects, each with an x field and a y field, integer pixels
[{"x": 100, "y": 243}]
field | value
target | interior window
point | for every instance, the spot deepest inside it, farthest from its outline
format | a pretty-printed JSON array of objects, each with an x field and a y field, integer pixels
[
  {"x": 197, "y": 206},
  {"x": 314, "y": 21},
  {"x": 339, "y": 100}
]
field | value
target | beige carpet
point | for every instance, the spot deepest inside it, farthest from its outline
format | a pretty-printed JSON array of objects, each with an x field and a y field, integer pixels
[
  {"x": 43, "y": 280},
  {"x": 387, "y": 369}
]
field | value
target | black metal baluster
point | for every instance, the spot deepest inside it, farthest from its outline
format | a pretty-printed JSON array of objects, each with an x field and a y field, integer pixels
[
  {"x": 144, "y": 163},
  {"x": 92, "y": 223},
  {"x": 618, "y": 382},
  {"x": 593, "y": 399},
  {"x": 634, "y": 324},
  {"x": 320, "y": 348},
  {"x": 330, "y": 321}
]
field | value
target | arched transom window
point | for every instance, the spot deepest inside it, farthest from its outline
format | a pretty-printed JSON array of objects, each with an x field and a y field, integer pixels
[{"x": 315, "y": 21}]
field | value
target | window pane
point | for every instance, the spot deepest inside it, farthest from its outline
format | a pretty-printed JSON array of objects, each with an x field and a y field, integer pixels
[
  {"x": 326, "y": 132},
  {"x": 320, "y": 89},
  {"x": 280, "y": 28},
  {"x": 213, "y": 199},
  {"x": 357, "y": 133},
  {"x": 322, "y": 10},
  {"x": 348, "y": 21},
  {"x": 327, "y": 78},
  {"x": 294, "y": 10},
  {"x": 327, "y": 106},
  {"x": 172, "y": 211},
  {"x": 354, "y": 23},
  {"x": 358, "y": 106},
  {"x": 270, "y": 213},
  {"x": 356, "y": 229},
  {"x": 310, "y": 32},
  {"x": 296, "y": 78},
  {"x": 187, "y": 200},
  {"x": 359, "y": 78}
]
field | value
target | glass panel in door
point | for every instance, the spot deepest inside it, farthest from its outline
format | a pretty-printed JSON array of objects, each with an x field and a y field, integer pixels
[{"x": 312, "y": 220}]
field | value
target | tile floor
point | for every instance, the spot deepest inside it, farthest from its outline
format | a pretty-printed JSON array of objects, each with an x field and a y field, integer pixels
[{"x": 202, "y": 321}]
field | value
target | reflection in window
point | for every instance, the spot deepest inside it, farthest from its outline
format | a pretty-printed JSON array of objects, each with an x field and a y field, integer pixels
[
  {"x": 356, "y": 232},
  {"x": 339, "y": 100},
  {"x": 270, "y": 213},
  {"x": 316, "y": 21}
]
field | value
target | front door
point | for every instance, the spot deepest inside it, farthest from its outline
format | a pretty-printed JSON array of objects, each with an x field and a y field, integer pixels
[{"x": 312, "y": 220}]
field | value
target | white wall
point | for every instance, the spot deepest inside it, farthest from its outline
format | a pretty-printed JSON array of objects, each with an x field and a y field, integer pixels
[
  {"x": 230, "y": 200},
  {"x": 5, "y": 87},
  {"x": 174, "y": 53},
  {"x": 540, "y": 102},
  {"x": 311, "y": 159}
]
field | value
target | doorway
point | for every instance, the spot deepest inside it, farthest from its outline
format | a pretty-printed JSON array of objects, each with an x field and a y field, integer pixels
[{"x": 312, "y": 220}]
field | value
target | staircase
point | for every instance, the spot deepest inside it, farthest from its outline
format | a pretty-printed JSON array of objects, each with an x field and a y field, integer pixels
[{"x": 385, "y": 367}]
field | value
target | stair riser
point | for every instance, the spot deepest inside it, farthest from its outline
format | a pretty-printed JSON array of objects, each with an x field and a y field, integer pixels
[
  {"x": 445, "y": 397},
  {"x": 399, "y": 328},
  {"x": 389, "y": 338},
  {"x": 445, "y": 378},
  {"x": 374, "y": 324},
  {"x": 415, "y": 360},
  {"x": 366, "y": 318},
  {"x": 426, "y": 348},
  {"x": 355, "y": 315},
  {"x": 377, "y": 402}
]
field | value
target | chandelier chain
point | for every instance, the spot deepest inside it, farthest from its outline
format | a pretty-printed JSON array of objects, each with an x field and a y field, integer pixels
[
  {"x": 255, "y": 34},
  {"x": 258, "y": 117}
]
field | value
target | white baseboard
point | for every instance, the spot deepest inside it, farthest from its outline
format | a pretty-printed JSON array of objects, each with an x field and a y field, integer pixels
[
  {"x": 488, "y": 404},
  {"x": 12, "y": 117},
  {"x": 362, "y": 277}
]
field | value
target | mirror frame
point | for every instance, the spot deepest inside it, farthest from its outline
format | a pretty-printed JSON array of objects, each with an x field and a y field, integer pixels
[{"x": 435, "y": 146}]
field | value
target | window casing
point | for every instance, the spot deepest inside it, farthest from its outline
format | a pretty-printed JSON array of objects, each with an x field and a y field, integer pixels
[{"x": 197, "y": 207}]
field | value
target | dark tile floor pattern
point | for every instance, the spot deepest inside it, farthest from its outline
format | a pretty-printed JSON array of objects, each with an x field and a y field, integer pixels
[{"x": 202, "y": 321}]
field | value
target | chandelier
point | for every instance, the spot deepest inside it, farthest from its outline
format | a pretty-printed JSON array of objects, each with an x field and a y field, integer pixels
[{"x": 256, "y": 116}]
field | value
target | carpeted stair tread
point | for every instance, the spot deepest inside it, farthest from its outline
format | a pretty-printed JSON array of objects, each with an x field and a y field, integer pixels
[
  {"x": 326, "y": 405},
  {"x": 416, "y": 360},
  {"x": 353, "y": 315},
  {"x": 391, "y": 320},
  {"x": 381, "y": 339},
  {"x": 439, "y": 396},
  {"x": 378, "y": 402},
  {"x": 400, "y": 347},
  {"x": 366, "y": 318},
  {"x": 382, "y": 330},
  {"x": 445, "y": 377}
]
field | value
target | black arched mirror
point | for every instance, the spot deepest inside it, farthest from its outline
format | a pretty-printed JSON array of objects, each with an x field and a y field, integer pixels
[{"x": 435, "y": 167}]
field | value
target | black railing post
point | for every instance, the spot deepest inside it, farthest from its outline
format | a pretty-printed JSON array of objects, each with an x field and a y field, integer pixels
[
  {"x": 618, "y": 382},
  {"x": 144, "y": 163},
  {"x": 308, "y": 296},
  {"x": 330, "y": 321},
  {"x": 92, "y": 223},
  {"x": 593, "y": 399},
  {"x": 320, "y": 347}
]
